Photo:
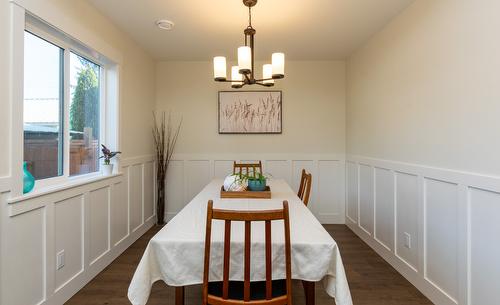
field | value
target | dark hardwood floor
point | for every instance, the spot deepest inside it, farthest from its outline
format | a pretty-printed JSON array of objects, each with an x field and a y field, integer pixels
[{"x": 372, "y": 281}]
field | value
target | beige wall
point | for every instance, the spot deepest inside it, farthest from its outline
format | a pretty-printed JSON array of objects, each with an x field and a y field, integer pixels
[
  {"x": 137, "y": 69},
  {"x": 4, "y": 89},
  {"x": 426, "y": 89},
  {"x": 313, "y": 109}
]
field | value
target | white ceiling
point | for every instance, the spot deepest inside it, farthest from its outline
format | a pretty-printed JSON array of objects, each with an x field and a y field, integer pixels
[{"x": 302, "y": 29}]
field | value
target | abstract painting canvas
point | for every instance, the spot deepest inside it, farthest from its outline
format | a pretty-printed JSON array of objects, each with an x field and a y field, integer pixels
[{"x": 250, "y": 112}]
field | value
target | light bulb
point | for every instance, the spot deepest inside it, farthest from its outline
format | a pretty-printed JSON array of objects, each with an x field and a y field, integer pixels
[
  {"x": 267, "y": 72},
  {"x": 278, "y": 60},
  {"x": 245, "y": 59},
  {"x": 220, "y": 68},
  {"x": 236, "y": 77}
]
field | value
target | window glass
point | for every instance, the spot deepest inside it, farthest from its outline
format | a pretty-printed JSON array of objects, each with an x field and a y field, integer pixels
[
  {"x": 43, "y": 107},
  {"x": 84, "y": 115}
]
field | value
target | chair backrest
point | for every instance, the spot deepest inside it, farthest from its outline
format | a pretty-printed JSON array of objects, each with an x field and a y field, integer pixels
[
  {"x": 247, "y": 168},
  {"x": 305, "y": 187},
  {"x": 248, "y": 217}
]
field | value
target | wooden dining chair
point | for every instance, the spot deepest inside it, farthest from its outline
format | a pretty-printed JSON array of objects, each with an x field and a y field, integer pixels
[
  {"x": 249, "y": 168},
  {"x": 278, "y": 292},
  {"x": 305, "y": 187}
]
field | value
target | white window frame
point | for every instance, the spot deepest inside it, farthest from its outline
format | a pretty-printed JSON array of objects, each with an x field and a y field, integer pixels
[
  {"x": 109, "y": 101},
  {"x": 67, "y": 50}
]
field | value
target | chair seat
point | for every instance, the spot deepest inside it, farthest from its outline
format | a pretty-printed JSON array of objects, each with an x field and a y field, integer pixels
[{"x": 257, "y": 289}]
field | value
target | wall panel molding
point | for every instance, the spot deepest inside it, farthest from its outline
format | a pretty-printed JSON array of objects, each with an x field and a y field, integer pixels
[
  {"x": 90, "y": 222},
  {"x": 451, "y": 218},
  {"x": 189, "y": 173}
]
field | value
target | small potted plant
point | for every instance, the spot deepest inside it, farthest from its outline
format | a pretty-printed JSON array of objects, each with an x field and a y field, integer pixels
[
  {"x": 257, "y": 182},
  {"x": 107, "y": 167}
]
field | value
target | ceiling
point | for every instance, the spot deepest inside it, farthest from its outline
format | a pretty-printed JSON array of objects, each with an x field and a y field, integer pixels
[{"x": 302, "y": 29}]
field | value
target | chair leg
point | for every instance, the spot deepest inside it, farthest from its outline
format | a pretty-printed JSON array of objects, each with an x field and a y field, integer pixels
[
  {"x": 309, "y": 292},
  {"x": 179, "y": 295}
]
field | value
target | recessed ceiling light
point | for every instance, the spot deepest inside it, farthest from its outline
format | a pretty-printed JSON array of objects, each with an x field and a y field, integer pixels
[{"x": 165, "y": 24}]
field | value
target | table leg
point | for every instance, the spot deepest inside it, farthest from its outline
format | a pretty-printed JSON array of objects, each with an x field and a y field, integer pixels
[
  {"x": 309, "y": 292},
  {"x": 179, "y": 295}
]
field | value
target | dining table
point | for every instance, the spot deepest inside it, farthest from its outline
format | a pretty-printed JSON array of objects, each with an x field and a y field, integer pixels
[{"x": 175, "y": 254}]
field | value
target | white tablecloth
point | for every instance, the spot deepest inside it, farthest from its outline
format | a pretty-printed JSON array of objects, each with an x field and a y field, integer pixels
[{"x": 175, "y": 253}]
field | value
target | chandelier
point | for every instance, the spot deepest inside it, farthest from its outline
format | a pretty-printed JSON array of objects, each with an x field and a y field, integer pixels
[{"x": 243, "y": 74}]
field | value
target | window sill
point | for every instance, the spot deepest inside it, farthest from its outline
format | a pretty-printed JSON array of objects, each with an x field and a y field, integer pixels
[{"x": 72, "y": 183}]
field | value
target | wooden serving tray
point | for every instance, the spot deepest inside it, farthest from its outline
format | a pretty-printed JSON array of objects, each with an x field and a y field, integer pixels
[{"x": 266, "y": 194}]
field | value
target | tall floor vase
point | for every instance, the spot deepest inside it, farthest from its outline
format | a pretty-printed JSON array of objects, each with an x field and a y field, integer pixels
[
  {"x": 160, "y": 202},
  {"x": 165, "y": 137}
]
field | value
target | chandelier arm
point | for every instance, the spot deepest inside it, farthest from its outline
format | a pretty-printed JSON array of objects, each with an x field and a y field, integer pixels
[
  {"x": 238, "y": 86},
  {"x": 230, "y": 81},
  {"x": 265, "y": 85}
]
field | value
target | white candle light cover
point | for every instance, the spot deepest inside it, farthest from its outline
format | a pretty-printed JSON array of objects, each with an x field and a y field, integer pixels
[
  {"x": 278, "y": 60},
  {"x": 267, "y": 72},
  {"x": 236, "y": 76},
  {"x": 220, "y": 68},
  {"x": 245, "y": 59}
]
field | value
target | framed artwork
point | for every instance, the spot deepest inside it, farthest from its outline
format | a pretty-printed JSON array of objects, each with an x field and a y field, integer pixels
[{"x": 250, "y": 112}]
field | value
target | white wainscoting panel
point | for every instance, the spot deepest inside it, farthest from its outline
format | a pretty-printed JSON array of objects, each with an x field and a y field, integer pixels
[
  {"x": 149, "y": 191},
  {"x": 452, "y": 219},
  {"x": 119, "y": 212},
  {"x": 176, "y": 192},
  {"x": 441, "y": 235},
  {"x": 135, "y": 194},
  {"x": 88, "y": 220},
  {"x": 279, "y": 168},
  {"x": 26, "y": 266},
  {"x": 352, "y": 192},
  {"x": 366, "y": 197},
  {"x": 222, "y": 168},
  {"x": 484, "y": 247},
  {"x": 328, "y": 202},
  {"x": 384, "y": 207},
  {"x": 407, "y": 217},
  {"x": 99, "y": 223},
  {"x": 69, "y": 237},
  {"x": 198, "y": 173},
  {"x": 188, "y": 174}
]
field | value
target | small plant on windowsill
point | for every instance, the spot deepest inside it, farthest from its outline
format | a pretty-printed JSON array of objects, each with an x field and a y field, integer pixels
[{"x": 107, "y": 155}]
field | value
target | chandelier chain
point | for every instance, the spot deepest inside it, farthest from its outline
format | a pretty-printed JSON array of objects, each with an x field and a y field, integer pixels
[{"x": 250, "y": 16}]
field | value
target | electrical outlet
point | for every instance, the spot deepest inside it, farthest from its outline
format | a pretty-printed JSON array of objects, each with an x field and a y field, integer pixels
[
  {"x": 407, "y": 240},
  {"x": 60, "y": 260}
]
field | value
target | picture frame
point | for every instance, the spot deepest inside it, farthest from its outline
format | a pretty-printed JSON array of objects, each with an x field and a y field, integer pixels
[{"x": 250, "y": 112}]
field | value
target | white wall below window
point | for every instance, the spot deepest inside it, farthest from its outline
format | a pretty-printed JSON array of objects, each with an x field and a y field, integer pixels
[{"x": 91, "y": 223}]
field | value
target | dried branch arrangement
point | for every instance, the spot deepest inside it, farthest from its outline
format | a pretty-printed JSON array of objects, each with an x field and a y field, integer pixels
[{"x": 165, "y": 137}]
